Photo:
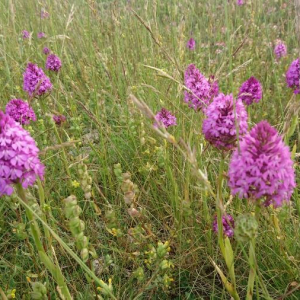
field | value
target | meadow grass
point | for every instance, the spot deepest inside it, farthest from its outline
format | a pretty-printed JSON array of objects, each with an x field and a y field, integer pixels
[{"x": 107, "y": 49}]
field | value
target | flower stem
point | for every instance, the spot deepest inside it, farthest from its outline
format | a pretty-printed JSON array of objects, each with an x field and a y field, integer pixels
[
  {"x": 65, "y": 160},
  {"x": 225, "y": 245},
  {"x": 219, "y": 207},
  {"x": 252, "y": 260},
  {"x": 36, "y": 235},
  {"x": 252, "y": 273},
  {"x": 84, "y": 267},
  {"x": 42, "y": 203}
]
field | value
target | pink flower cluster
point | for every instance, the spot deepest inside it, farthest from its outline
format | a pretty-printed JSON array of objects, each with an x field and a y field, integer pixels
[
  {"x": 35, "y": 81},
  {"x": 59, "y": 119},
  {"x": 191, "y": 44},
  {"x": 250, "y": 91},
  {"x": 53, "y": 63},
  {"x": 19, "y": 161},
  {"x": 223, "y": 117},
  {"x": 201, "y": 91},
  {"x": 25, "y": 34},
  {"x": 41, "y": 35},
  {"x": 293, "y": 76},
  {"x": 280, "y": 50},
  {"x": 166, "y": 118},
  {"x": 20, "y": 111},
  {"x": 262, "y": 168}
]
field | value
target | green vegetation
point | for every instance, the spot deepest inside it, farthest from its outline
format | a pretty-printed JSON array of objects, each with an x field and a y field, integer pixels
[{"x": 147, "y": 215}]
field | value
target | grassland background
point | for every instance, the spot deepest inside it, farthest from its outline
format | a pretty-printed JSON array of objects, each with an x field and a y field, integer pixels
[{"x": 104, "y": 49}]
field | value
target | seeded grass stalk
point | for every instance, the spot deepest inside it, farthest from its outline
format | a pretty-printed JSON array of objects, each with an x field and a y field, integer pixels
[
  {"x": 55, "y": 270},
  {"x": 36, "y": 235}
]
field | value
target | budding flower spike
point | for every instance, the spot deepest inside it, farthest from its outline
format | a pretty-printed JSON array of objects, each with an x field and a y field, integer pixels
[
  {"x": 19, "y": 161},
  {"x": 262, "y": 168},
  {"x": 20, "y": 111},
  {"x": 201, "y": 91},
  {"x": 25, "y": 34},
  {"x": 222, "y": 118},
  {"x": 41, "y": 35},
  {"x": 36, "y": 83},
  {"x": 59, "y": 119},
  {"x": 280, "y": 50},
  {"x": 250, "y": 91},
  {"x": 46, "y": 50},
  {"x": 293, "y": 76},
  {"x": 191, "y": 44},
  {"x": 53, "y": 63},
  {"x": 166, "y": 118}
]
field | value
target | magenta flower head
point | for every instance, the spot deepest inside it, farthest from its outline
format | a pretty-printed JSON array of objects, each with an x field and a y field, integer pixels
[
  {"x": 228, "y": 225},
  {"x": 280, "y": 50},
  {"x": 191, "y": 44},
  {"x": 250, "y": 91},
  {"x": 20, "y": 111},
  {"x": 53, "y": 63},
  {"x": 200, "y": 95},
  {"x": 219, "y": 127},
  {"x": 35, "y": 81},
  {"x": 46, "y": 50},
  {"x": 19, "y": 161},
  {"x": 293, "y": 76},
  {"x": 262, "y": 168},
  {"x": 240, "y": 2},
  {"x": 166, "y": 118},
  {"x": 25, "y": 34},
  {"x": 41, "y": 35},
  {"x": 59, "y": 119}
]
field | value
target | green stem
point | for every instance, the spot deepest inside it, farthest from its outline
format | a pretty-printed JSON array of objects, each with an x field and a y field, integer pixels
[
  {"x": 101, "y": 283},
  {"x": 144, "y": 288},
  {"x": 252, "y": 272},
  {"x": 42, "y": 203},
  {"x": 258, "y": 279},
  {"x": 219, "y": 206},
  {"x": 36, "y": 235},
  {"x": 252, "y": 260},
  {"x": 225, "y": 247},
  {"x": 65, "y": 160}
]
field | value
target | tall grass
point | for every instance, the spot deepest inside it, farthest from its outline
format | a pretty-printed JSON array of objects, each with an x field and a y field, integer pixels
[{"x": 107, "y": 49}]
